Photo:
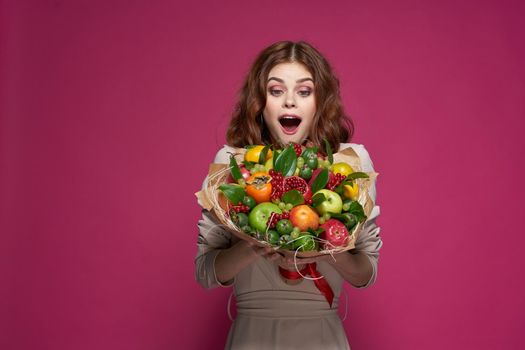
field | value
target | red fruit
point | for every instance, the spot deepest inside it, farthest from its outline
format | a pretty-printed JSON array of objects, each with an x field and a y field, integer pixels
[
  {"x": 335, "y": 233},
  {"x": 298, "y": 183},
  {"x": 277, "y": 184},
  {"x": 298, "y": 149},
  {"x": 304, "y": 217},
  {"x": 244, "y": 172},
  {"x": 331, "y": 176}
]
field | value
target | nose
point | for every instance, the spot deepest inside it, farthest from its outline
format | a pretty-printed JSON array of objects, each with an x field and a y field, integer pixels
[{"x": 289, "y": 102}]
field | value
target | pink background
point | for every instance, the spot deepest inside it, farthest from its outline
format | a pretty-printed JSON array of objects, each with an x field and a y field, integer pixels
[{"x": 111, "y": 111}]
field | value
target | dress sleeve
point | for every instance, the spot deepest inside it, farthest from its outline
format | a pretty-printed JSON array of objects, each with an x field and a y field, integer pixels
[
  {"x": 369, "y": 241},
  {"x": 211, "y": 240}
]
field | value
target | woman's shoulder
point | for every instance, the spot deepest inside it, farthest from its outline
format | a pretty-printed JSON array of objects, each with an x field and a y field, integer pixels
[
  {"x": 362, "y": 152},
  {"x": 223, "y": 154}
]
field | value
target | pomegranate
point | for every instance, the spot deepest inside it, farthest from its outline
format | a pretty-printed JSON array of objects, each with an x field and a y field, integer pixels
[
  {"x": 315, "y": 173},
  {"x": 298, "y": 183}
]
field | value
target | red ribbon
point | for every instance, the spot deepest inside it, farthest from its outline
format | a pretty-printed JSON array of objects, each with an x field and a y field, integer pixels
[{"x": 319, "y": 281}]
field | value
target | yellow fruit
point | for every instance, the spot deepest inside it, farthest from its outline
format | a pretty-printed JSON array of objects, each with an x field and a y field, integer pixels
[
  {"x": 269, "y": 164},
  {"x": 351, "y": 191},
  {"x": 342, "y": 168},
  {"x": 252, "y": 154}
]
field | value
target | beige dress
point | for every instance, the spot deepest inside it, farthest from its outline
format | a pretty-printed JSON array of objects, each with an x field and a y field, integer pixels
[{"x": 270, "y": 313}]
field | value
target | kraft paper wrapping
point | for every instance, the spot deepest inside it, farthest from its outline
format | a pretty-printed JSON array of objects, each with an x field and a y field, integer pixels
[{"x": 211, "y": 199}]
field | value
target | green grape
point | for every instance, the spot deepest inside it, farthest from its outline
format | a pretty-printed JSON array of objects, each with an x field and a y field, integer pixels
[{"x": 300, "y": 162}]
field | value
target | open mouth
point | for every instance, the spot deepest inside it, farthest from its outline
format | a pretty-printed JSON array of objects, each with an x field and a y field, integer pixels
[{"x": 289, "y": 123}]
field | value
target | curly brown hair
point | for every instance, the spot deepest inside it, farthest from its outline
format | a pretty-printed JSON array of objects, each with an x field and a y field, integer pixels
[{"x": 247, "y": 126}]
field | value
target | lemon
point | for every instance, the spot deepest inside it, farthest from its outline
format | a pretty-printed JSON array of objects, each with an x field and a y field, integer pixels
[
  {"x": 253, "y": 153},
  {"x": 351, "y": 191},
  {"x": 342, "y": 168}
]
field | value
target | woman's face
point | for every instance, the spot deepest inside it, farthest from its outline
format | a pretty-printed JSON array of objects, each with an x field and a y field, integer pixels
[{"x": 290, "y": 102}]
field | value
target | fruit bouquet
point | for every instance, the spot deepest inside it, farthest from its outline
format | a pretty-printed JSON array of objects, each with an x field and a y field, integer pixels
[{"x": 293, "y": 199}]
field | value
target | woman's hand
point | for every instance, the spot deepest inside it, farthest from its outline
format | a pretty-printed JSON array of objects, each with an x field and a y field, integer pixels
[
  {"x": 265, "y": 252},
  {"x": 229, "y": 262},
  {"x": 288, "y": 262},
  {"x": 354, "y": 268}
]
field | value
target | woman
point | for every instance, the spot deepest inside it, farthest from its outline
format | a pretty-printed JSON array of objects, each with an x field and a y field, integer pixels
[{"x": 289, "y": 95}]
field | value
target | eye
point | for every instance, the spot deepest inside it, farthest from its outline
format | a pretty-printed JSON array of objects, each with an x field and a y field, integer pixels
[
  {"x": 275, "y": 92},
  {"x": 305, "y": 93}
]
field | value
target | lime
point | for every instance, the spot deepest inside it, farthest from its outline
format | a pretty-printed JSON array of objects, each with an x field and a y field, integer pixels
[
  {"x": 306, "y": 172},
  {"x": 272, "y": 237},
  {"x": 249, "y": 201},
  {"x": 284, "y": 227}
]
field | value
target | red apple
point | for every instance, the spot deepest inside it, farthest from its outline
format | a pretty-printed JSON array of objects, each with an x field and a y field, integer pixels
[{"x": 335, "y": 233}]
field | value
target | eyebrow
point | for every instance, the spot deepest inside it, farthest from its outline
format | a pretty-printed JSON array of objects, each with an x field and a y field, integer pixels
[{"x": 297, "y": 81}]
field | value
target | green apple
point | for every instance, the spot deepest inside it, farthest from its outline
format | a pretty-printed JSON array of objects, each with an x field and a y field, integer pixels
[
  {"x": 261, "y": 213},
  {"x": 332, "y": 204}
]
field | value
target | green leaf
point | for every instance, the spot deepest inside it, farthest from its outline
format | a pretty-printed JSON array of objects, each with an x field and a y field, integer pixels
[
  {"x": 234, "y": 168},
  {"x": 249, "y": 165},
  {"x": 339, "y": 190},
  {"x": 357, "y": 175},
  {"x": 317, "y": 199},
  {"x": 357, "y": 209},
  {"x": 263, "y": 154},
  {"x": 349, "y": 220},
  {"x": 320, "y": 181},
  {"x": 286, "y": 161},
  {"x": 329, "y": 153},
  {"x": 315, "y": 233},
  {"x": 235, "y": 193},
  {"x": 293, "y": 197}
]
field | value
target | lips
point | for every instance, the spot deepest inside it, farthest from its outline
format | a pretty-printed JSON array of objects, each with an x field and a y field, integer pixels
[{"x": 289, "y": 123}]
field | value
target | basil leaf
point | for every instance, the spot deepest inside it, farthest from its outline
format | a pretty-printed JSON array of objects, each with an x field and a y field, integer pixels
[
  {"x": 263, "y": 154},
  {"x": 234, "y": 168},
  {"x": 320, "y": 181},
  {"x": 235, "y": 193},
  {"x": 329, "y": 153},
  {"x": 293, "y": 197},
  {"x": 357, "y": 175},
  {"x": 317, "y": 199},
  {"x": 286, "y": 161}
]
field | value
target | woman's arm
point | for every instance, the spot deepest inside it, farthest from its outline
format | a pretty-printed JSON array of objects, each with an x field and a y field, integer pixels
[
  {"x": 219, "y": 259},
  {"x": 229, "y": 262},
  {"x": 354, "y": 268}
]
